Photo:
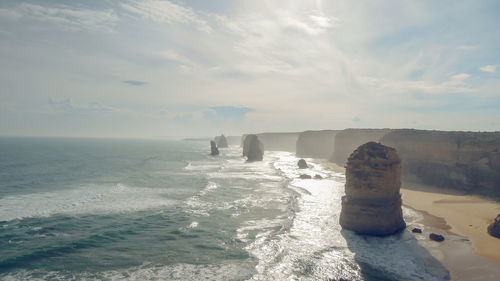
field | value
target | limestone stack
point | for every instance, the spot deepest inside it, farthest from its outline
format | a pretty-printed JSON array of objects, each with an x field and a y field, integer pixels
[
  {"x": 213, "y": 149},
  {"x": 372, "y": 204},
  {"x": 253, "y": 148},
  {"x": 221, "y": 141}
]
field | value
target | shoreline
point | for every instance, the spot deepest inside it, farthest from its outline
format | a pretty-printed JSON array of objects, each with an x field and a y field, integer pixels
[{"x": 468, "y": 252}]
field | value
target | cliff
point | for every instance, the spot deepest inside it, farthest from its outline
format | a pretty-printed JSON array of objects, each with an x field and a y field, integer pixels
[
  {"x": 349, "y": 139},
  {"x": 233, "y": 140},
  {"x": 279, "y": 141},
  {"x": 253, "y": 148},
  {"x": 316, "y": 144},
  {"x": 469, "y": 161},
  {"x": 372, "y": 204}
]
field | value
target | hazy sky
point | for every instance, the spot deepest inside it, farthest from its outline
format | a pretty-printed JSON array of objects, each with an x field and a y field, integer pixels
[{"x": 192, "y": 68}]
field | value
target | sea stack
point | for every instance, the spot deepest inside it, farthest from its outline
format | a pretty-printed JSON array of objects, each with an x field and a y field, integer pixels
[
  {"x": 372, "y": 204},
  {"x": 494, "y": 228},
  {"x": 253, "y": 148},
  {"x": 221, "y": 141},
  {"x": 213, "y": 149}
]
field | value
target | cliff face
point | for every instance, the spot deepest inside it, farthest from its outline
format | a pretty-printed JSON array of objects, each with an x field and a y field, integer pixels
[
  {"x": 468, "y": 161},
  {"x": 372, "y": 204},
  {"x": 279, "y": 141},
  {"x": 349, "y": 139},
  {"x": 253, "y": 148},
  {"x": 233, "y": 140},
  {"x": 316, "y": 144}
]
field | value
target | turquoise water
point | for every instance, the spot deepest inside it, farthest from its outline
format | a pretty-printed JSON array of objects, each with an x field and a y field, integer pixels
[{"x": 80, "y": 209}]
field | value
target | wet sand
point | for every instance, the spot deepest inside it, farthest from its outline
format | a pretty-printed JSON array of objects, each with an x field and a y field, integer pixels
[{"x": 468, "y": 252}]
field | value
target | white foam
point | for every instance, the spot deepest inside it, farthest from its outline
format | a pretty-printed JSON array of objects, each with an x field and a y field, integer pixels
[
  {"x": 193, "y": 224},
  {"x": 316, "y": 248},
  {"x": 210, "y": 187},
  {"x": 83, "y": 200},
  {"x": 148, "y": 271}
]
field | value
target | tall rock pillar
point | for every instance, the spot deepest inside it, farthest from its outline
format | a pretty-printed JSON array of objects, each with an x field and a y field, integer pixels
[{"x": 372, "y": 204}]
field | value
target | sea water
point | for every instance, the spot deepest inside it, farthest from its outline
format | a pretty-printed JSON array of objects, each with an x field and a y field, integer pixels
[{"x": 103, "y": 209}]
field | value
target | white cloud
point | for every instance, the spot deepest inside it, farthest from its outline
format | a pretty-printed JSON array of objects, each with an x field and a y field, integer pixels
[
  {"x": 489, "y": 68},
  {"x": 69, "y": 105},
  {"x": 172, "y": 55},
  {"x": 167, "y": 12},
  {"x": 460, "y": 77},
  {"x": 9, "y": 14},
  {"x": 66, "y": 17}
]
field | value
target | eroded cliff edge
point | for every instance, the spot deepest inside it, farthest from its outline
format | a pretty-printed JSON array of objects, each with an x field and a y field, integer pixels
[
  {"x": 468, "y": 161},
  {"x": 316, "y": 144},
  {"x": 346, "y": 141}
]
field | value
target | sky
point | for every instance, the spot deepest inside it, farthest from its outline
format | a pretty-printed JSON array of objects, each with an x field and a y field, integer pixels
[{"x": 152, "y": 68}]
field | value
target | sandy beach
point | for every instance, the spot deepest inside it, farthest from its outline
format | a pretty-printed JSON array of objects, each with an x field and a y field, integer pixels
[{"x": 469, "y": 251}]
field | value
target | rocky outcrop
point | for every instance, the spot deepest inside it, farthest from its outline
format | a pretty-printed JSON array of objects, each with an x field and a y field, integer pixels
[
  {"x": 253, "y": 148},
  {"x": 436, "y": 237},
  {"x": 494, "y": 227},
  {"x": 416, "y": 230},
  {"x": 221, "y": 141},
  {"x": 468, "y": 161},
  {"x": 213, "y": 149},
  {"x": 302, "y": 164},
  {"x": 372, "y": 204},
  {"x": 305, "y": 177},
  {"x": 316, "y": 144},
  {"x": 348, "y": 140}
]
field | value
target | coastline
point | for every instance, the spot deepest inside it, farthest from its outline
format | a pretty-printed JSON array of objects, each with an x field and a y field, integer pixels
[{"x": 468, "y": 252}]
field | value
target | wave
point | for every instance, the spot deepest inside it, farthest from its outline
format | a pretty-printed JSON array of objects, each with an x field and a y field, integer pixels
[
  {"x": 315, "y": 247},
  {"x": 92, "y": 199},
  {"x": 148, "y": 271}
]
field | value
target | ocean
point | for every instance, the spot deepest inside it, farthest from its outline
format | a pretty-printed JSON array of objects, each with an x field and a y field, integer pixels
[{"x": 107, "y": 209}]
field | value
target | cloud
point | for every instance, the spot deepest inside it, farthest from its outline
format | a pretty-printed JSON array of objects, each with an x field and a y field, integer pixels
[
  {"x": 356, "y": 119},
  {"x": 460, "y": 76},
  {"x": 489, "y": 68},
  {"x": 167, "y": 12},
  {"x": 222, "y": 114},
  {"x": 65, "y": 17},
  {"x": 69, "y": 105},
  {"x": 135, "y": 82}
]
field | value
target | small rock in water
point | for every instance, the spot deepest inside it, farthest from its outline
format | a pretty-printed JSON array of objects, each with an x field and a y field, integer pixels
[
  {"x": 304, "y": 176},
  {"x": 302, "y": 164},
  {"x": 436, "y": 237},
  {"x": 318, "y": 177},
  {"x": 416, "y": 230}
]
